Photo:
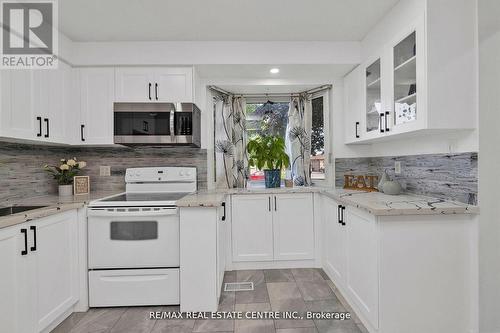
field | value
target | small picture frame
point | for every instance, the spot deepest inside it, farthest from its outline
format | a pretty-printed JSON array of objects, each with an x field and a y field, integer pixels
[{"x": 81, "y": 185}]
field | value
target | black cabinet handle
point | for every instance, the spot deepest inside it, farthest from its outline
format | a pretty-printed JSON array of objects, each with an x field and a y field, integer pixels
[
  {"x": 33, "y": 248},
  {"x": 357, "y": 126},
  {"x": 269, "y": 205},
  {"x": 275, "y": 206},
  {"x": 46, "y": 120},
  {"x": 25, "y": 251},
  {"x": 156, "y": 90},
  {"x": 149, "y": 91},
  {"x": 342, "y": 210},
  {"x": 386, "y": 122},
  {"x": 339, "y": 214},
  {"x": 224, "y": 216},
  {"x": 39, "y": 134},
  {"x": 381, "y": 123},
  {"x": 82, "y": 127}
]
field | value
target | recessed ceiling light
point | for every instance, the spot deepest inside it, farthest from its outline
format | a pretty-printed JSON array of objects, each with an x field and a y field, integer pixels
[{"x": 274, "y": 70}]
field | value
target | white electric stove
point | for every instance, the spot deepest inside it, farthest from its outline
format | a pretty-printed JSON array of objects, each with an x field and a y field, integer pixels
[{"x": 133, "y": 239}]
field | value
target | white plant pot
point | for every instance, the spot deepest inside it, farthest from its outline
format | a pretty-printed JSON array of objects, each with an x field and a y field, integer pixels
[{"x": 65, "y": 190}]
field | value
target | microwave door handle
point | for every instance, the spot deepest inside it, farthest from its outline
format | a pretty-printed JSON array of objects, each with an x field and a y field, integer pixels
[{"x": 172, "y": 127}]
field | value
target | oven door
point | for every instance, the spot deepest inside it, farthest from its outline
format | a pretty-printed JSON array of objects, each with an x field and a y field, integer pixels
[{"x": 133, "y": 237}]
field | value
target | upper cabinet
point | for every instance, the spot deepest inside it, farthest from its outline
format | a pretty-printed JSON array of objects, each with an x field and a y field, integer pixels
[
  {"x": 412, "y": 79},
  {"x": 35, "y": 103},
  {"x": 149, "y": 84}
]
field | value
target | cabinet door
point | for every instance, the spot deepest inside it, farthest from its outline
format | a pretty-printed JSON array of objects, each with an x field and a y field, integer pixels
[
  {"x": 16, "y": 310},
  {"x": 221, "y": 247},
  {"x": 50, "y": 95},
  {"x": 334, "y": 242},
  {"x": 134, "y": 85},
  {"x": 353, "y": 105},
  {"x": 56, "y": 270},
  {"x": 362, "y": 262},
  {"x": 173, "y": 84},
  {"x": 18, "y": 116},
  {"x": 252, "y": 227},
  {"x": 293, "y": 222},
  {"x": 97, "y": 94}
]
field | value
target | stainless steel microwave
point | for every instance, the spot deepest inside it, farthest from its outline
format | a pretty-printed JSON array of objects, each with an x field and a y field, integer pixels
[{"x": 157, "y": 124}]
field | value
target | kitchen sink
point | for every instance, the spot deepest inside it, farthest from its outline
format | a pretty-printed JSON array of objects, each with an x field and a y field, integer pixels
[{"x": 5, "y": 211}]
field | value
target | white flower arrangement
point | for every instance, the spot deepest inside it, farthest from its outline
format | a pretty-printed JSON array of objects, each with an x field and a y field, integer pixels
[{"x": 65, "y": 172}]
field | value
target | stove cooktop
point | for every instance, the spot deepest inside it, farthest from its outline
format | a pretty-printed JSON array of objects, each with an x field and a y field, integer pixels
[{"x": 140, "y": 199}]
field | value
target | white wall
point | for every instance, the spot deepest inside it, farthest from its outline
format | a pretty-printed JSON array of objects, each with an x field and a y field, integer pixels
[
  {"x": 194, "y": 53},
  {"x": 489, "y": 165}
]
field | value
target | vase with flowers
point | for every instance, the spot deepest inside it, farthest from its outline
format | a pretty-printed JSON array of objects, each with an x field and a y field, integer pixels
[{"x": 64, "y": 174}]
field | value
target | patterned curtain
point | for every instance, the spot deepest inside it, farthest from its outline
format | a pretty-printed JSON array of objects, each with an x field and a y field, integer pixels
[
  {"x": 298, "y": 141},
  {"x": 231, "y": 160}
]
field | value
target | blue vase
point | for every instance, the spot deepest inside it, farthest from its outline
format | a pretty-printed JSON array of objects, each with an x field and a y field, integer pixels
[{"x": 273, "y": 178}]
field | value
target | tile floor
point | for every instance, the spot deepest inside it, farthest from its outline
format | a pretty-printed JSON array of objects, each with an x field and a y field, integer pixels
[{"x": 275, "y": 290}]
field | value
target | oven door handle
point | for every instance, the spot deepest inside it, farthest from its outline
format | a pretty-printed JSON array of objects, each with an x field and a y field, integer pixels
[{"x": 103, "y": 212}]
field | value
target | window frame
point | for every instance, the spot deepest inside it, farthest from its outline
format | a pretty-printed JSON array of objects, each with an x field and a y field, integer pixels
[{"x": 325, "y": 94}]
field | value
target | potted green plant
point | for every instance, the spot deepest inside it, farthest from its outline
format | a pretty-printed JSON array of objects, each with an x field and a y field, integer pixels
[
  {"x": 268, "y": 153},
  {"x": 64, "y": 174}
]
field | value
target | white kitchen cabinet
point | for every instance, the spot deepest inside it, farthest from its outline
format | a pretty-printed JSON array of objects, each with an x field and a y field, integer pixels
[
  {"x": 334, "y": 253},
  {"x": 154, "y": 84},
  {"x": 202, "y": 271},
  {"x": 174, "y": 84},
  {"x": 420, "y": 75},
  {"x": 19, "y": 119},
  {"x": 267, "y": 227},
  {"x": 51, "y": 102},
  {"x": 55, "y": 266},
  {"x": 16, "y": 299},
  {"x": 293, "y": 226},
  {"x": 95, "y": 126},
  {"x": 222, "y": 221},
  {"x": 39, "y": 267},
  {"x": 361, "y": 248},
  {"x": 390, "y": 267},
  {"x": 353, "y": 105},
  {"x": 252, "y": 227}
]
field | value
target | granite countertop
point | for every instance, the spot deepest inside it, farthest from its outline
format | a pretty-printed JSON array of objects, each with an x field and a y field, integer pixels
[
  {"x": 381, "y": 204},
  {"x": 373, "y": 202},
  {"x": 54, "y": 204},
  {"x": 215, "y": 198}
]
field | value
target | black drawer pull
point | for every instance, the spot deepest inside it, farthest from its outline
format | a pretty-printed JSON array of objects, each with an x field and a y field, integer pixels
[
  {"x": 357, "y": 126},
  {"x": 39, "y": 134},
  {"x": 33, "y": 248},
  {"x": 342, "y": 210},
  {"x": 46, "y": 120},
  {"x": 381, "y": 123},
  {"x": 25, "y": 251},
  {"x": 339, "y": 214},
  {"x": 224, "y": 214},
  {"x": 156, "y": 90},
  {"x": 82, "y": 127},
  {"x": 149, "y": 91},
  {"x": 386, "y": 122}
]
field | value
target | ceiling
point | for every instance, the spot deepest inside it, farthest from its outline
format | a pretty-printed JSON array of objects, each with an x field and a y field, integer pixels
[
  {"x": 287, "y": 72},
  {"x": 220, "y": 20}
]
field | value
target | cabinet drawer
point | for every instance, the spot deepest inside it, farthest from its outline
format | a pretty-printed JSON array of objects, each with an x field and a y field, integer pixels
[{"x": 134, "y": 287}]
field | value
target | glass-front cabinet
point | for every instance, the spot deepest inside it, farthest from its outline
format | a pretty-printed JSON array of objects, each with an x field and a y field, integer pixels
[
  {"x": 373, "y": 107},
  {"x": 405, "y": 80}
]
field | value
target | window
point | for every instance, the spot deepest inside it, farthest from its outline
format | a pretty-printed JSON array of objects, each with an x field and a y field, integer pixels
[
  {"x": 317, "y": 139},
  {"x": 269, "y": 118}
]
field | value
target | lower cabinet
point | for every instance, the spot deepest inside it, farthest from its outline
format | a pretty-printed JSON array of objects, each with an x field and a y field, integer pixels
[
  {"x": 268, "y": 227},
  {"x": 351, "y": 256},
  {"x": 39, "y": 263}
]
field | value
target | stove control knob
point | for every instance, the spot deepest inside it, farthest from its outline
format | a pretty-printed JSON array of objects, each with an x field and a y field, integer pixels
[{"x": 181, "y": 173}]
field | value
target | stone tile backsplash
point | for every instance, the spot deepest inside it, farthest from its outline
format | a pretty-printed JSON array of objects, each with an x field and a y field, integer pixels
[
  {"x": 445, "y": 176},
  {"x": 21, "y": 174}
]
